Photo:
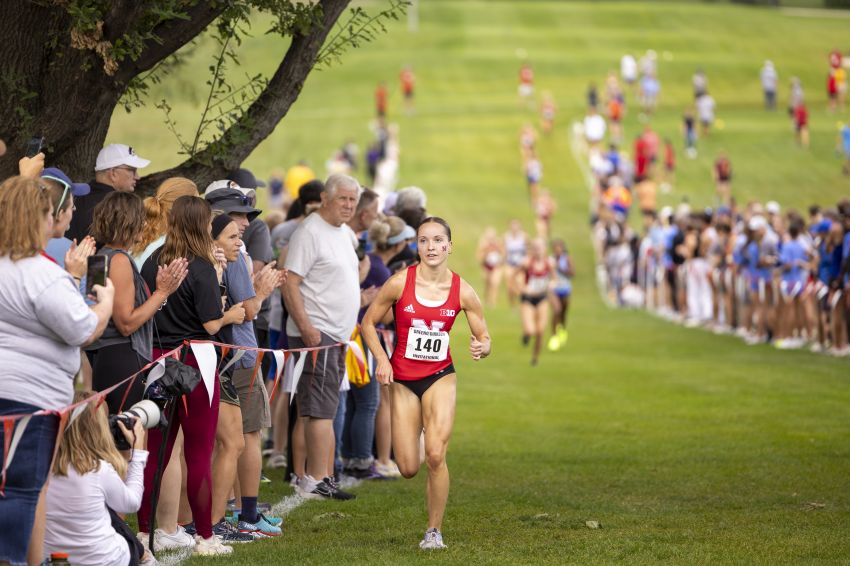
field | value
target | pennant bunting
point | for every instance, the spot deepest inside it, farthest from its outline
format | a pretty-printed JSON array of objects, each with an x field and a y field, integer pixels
[
  {"x": 205, "y": 355},
  {"x": 296, "y": 375}
]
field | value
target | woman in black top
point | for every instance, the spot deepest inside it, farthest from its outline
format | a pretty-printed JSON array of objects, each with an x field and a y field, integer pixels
[
  {"x": 193, "y": 312},
  {"x": 126, "y": 344}
]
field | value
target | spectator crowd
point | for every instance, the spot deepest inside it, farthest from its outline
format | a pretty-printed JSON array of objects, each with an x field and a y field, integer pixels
[
  {"x": 279, "y": 299},
  {"x": 754, "y": 270}
]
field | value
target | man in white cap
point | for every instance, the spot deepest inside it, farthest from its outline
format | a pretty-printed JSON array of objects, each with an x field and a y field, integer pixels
[{"x": 116, "y": 169}]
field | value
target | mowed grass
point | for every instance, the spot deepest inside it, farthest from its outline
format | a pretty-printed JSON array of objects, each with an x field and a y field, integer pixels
[{"x": 686, "y": 447}]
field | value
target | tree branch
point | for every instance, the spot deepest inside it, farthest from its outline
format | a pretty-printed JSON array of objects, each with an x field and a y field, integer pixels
[
  {"x": 261, "y": 118},
  {"x": 173, "y": 35}
]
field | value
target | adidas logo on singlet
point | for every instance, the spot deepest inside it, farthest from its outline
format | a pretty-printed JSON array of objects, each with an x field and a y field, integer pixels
[{"x": 409, "y": 308}]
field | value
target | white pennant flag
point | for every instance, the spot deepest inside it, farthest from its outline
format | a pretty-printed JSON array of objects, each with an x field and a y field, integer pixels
[
  {"x": 207, "y": 361},
  {"x": 296, "y": 374},
  {"x": 156, "y": 372},
  {"x": 237, "y": 355},
  {"x": 77, "y": 412},
  {"x": 278, "y": 363},
  {"x": 16, "y": 439}
]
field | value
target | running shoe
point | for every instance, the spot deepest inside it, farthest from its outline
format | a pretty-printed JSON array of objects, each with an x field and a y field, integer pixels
[
  {"x": 168, "y": 541},
  {"x": 190, "y": 528},
  {"x": 276, "y": 461},
  {"x": 264, "y": 479},
  {"x": 563, "y": 335},
  {"x": 554, "y": 344},
  {"x": 229, "y": 535},
  {"x": 210, "y": 546},
  {"x": 433, "y": 540},
  {"x": 387, "y": 471},
  {"x": 268, "y": 448},
  {"x": 335, "y": 491},
  {"x": 261, "y": 528},
  {"x": 273, "y": 521}
]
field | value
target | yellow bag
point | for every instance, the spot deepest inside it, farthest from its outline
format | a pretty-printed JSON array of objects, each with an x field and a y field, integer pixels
[{"x": 355, "y": 361}]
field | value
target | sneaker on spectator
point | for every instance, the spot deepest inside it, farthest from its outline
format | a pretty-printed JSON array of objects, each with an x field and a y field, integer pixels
[
  {"x": 189, "y": 528},
  {"x": 210, "y": 546},
  {"x": 309, "y": 488},
  {"x": 335, "y": 491},
  {"x": 273, "y": 521},
  {"x": 229, "y": 535},
  {"x": 265, "y": 479},
  {"x": 260, "y": 528},
  {"x": 388, "y": 470},
  {"x": 168, "y": 541},
  {"x": 433, "y": 540},
  {"x": 816, "y": 347},
  {"x": 268, "y": 448},
  {"x": 276, "y": 461}
]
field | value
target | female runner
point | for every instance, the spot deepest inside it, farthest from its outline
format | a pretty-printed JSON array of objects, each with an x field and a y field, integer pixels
[
  {"x": 537, "y": 270},
  {"x": 491, "y": 253},
  {"x": 425, "y": 299}
]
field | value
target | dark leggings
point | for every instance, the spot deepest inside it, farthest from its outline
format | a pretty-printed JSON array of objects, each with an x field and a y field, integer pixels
[
  {"x": 113, "y": 364},
  {"x": 198, "y": 419}
]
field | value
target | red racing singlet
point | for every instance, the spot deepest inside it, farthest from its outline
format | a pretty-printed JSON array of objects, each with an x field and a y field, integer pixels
[{"x": 422, "y": 332}]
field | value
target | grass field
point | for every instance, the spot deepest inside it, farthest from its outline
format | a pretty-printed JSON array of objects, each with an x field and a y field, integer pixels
[{"x": 686, "y": 447}]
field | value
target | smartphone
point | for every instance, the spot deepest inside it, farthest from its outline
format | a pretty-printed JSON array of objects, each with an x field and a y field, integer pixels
[
  {"x": 96, "y": 272},
  {"x": 34, "y": 146}
]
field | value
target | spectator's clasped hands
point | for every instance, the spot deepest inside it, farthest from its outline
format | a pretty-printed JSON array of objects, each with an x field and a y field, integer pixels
[
  {"x": 235, "y": 314},
  {"x": 76, "y": 258},
  {"x": 267, "y": 280},
  {"x": 169, "y": 277}
]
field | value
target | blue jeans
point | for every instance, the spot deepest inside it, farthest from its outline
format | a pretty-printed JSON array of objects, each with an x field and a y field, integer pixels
[
  {"x": 24, "y": 479},
  {"x": 359, "y": 433},
  {"x": 339, "y": 422}
]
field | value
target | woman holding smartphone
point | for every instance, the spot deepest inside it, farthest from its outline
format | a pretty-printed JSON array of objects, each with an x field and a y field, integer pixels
[
  {"x": 193, "y": 312},
  {"x": 126, "y": 344},
  {"x": 43, "y": 323}
]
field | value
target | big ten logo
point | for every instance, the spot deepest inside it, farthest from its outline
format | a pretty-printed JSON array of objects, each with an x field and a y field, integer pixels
[
  {"x": 435, "y": 326},
  {"x": 447, "y": 312}
]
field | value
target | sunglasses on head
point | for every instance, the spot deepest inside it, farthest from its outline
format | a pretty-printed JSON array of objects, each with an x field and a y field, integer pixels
[
  {"x": 242, "y": 198},
  {"x": 64, "y": 192}
]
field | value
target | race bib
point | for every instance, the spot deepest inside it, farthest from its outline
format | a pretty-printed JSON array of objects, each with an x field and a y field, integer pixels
[{"x": 426, "y": 345}]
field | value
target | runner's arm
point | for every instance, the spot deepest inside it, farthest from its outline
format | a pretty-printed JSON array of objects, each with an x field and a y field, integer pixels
[
  {"x": 471, "y": 305},
  {"x": 380, "y": 307}
]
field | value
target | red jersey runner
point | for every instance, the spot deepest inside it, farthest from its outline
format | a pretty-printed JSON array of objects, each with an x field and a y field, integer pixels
[{"x": 422, "y": 332}]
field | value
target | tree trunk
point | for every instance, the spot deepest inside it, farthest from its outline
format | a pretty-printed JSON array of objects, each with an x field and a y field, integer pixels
[{"x": 50, "y": 88}]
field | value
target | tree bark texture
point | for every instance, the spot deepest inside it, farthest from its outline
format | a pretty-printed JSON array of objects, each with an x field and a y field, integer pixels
[{"x": 51, "y": 88}]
